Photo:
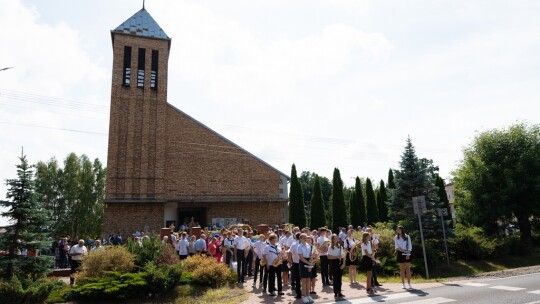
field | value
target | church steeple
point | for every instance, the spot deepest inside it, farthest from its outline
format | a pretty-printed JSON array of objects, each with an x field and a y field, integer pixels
[{"x": 141, "y": 24}]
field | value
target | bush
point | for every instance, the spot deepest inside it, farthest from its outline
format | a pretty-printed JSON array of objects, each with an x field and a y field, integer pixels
[
  {"x": 14, "y": 291},
  {"x": 149, "y": 252},
  {"x": 162, "y": 279},
  {"x": 167, "y": 256},
  {"x": 471, "y": 243},
  {"x": 112, "y": 258},
  {"x": 112, "y": 286},
  {"x": 207, "y": 271}
]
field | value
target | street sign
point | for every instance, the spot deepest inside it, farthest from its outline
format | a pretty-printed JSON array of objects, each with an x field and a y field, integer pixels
[
  {"x": 443, "y": 212},
  {"x": 419, "y": 204}
]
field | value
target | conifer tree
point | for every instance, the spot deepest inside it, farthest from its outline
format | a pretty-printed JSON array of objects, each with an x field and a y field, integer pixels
[
  {"x": 297, "y": 210},
  {"x": 354, "y": 209},
  {"x": 371, "y": 205},
  {"x": 361, "y": 201},
  {"x": 382, "y": 199},
  {"x": 391, "y": 182},
  {"x": 339, "y": 213},
  {"x": 318, "y": 216},
  {"x": 28, "y": 223},
  {"x": 445, "y": 203}
]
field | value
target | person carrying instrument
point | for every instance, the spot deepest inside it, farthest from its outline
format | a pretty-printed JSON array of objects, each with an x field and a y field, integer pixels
[
  {"x": 375, "y": 246},
  {"x": 294, "y": 264},
  {"x": 367, "y": 260},
  {"x": 228, "y": 246},
  {"x": 350, "y": 260},
  {"x": 322, "y": 245},
  {"x": 272, "y": 254},
  {"x": 335, "y": 257},
  {"x": 259, "y": 247},
  {"x": 306, "y": 264}
]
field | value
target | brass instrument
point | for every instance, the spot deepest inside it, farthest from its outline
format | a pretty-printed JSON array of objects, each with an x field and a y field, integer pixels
[
  {"x": 263, "y": 261},
  {"x": 279, "y": 260},
  {"x": 353, "y": 252}
]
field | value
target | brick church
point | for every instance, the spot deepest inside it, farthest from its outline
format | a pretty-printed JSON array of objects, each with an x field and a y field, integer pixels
[{"x": 165, "y": 167}]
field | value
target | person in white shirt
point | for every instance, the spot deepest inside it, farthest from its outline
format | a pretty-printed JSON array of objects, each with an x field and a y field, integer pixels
[
  {"x": 271, "y": 253},
  {"x": 76, "y": 252},
  {"x": 349, "y": 243},
  {"x": 367, "y": 260},
  {"x": 284, "y": 265},
  {"x": 259, "y": 247},
  {"x": 182, "y": 247},
  {"x": 306, "y": 265},
  {"x": 200, "y": 245},
  {"x": 294, "y": 264},
  {"x": 335, "y": 257},
  {"x": 241, "y": 245},
  {"x": 403, "y": 245},
  {"x": 375, "y": 246},
  {"x": 342, "y": 234},
  {"x": 228, "y": 247},
  {"x": 322, "y": 246}
]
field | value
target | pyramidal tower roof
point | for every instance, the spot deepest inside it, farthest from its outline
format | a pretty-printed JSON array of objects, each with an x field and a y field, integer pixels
[{"x": 141, "y": 24}]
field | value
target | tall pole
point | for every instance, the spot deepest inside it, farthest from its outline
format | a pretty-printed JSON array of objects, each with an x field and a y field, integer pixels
[
  {"x": 423, "y": 246},
  {"x": 444, "y": 235}
]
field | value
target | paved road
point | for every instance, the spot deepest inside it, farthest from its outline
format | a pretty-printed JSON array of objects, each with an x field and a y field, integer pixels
[{"x": 510, "y": 290}]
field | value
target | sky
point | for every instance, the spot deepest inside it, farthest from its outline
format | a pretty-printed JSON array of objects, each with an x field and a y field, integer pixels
[{"x": 322, "y": 84}]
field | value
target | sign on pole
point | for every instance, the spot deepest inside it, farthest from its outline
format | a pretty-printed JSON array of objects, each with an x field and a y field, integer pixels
[
  {"x": 444, "y": 212},
  {"x": 419, "y": 207}
]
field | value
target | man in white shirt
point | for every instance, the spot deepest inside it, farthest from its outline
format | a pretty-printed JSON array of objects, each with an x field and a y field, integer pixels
[
  {"x": 294, "y": 261},
  {"x": 271, "y": 253},
  {"x": 228, "y": 247},
  {"x": 323, "y": 243},
  {"x": 200, "y": 244},
  {"x": 342, "y": 235},
  {"x": 259, "y": 247},
  {"x": 76, "y": 252},
  {"x": 241, "y": 244},
  {"x": 182, "y": 247}
]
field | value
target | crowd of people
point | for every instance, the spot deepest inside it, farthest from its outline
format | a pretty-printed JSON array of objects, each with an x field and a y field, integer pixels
[{"x": 293, "y": 256}]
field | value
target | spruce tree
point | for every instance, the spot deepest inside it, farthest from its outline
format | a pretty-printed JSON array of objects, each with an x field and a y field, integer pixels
[
  {"x": 318, "y": 214},
  {"x": 354, "y": 210},
  {"x": 391, "y": 182},
  {"x": 361, "y": 201},
  {"x": 339, "y": 213},
  {"x": 28, "y": 222},
  {"x": 371, "y": 205},
  {"x": 297, "y": 211},
  {"x": 382, "y": 199},
  {"x": 415, "y": 178}
]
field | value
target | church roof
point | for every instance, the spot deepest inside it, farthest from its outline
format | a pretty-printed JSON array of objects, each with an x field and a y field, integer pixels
[{"x": 142, "y": 24}]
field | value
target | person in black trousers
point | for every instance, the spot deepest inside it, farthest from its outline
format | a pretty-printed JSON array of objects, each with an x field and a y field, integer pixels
[
  {"x": 335, "y": 257},
  {"x": 323, "y": 250},
  {"x": 295, "y": 266},
  {"x": 272, "y": 253},
  {"x": 375, "y": 246},
  {"x": 259, "y": 251},
  {"x": 241, "y": 244}
]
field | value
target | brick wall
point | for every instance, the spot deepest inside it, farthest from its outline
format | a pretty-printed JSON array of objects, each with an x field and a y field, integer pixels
[{"x": 128, "y": 218}]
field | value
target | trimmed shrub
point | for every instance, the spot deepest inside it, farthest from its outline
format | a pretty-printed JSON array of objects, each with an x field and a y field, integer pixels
[
  {"x": 112, "y": 286},
  {"x": 207, "y": 271},
  {"x": 167, "y": 256},
  {"x": 14, "y": 291},
  {"x": 149, "y": 252},
  {"x": 162, "y": 279},
  {"x": 112, "y": 258}
]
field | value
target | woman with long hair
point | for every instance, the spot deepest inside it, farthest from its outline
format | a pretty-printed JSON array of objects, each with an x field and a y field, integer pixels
[
  {"x": 305, "y": 252},
  {"x": 350, "y": 261},
  {"x": 315, "y": 258},
  {"x": 335, "y": 257},
  {"x": 367, "y": 260},
  {"x": 403, "y": 245}
]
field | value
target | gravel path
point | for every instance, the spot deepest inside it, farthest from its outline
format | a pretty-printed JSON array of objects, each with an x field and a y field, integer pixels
[{"x": 500, "y": 273}]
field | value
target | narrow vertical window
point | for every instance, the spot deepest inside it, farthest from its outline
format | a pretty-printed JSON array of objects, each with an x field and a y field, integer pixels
[
  {"x": 126, "y": 81},
  {"x": 140, "y": 68},
  {"x": 154, "y": 72}
]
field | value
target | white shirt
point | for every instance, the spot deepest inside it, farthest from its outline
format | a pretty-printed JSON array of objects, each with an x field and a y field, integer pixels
[
  {"x": 293, "y": 250},
  {"x": 337, "y": 251},
  {"x": 78, "y": 249},
  {"x": 182, "y": 247},
  {"x": 272, "y": 252},
  {"x": 259, "y": 248},
  {"x": 349, "y": 242},
  {"x": 290, "y": 241},
  {"x": 366, "y": 247},
  {"x": 241, "y": 243},
  {"x": 342, "y": 235},
  {"x": 320, "y": 241},
  {"x": 401, "y": 243},
  {"x": 304, "y": 250},
  {"x": 229, "y": 243}
]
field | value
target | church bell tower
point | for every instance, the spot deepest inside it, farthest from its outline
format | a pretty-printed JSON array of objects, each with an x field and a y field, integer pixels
[{"x": 137, "y": 125}]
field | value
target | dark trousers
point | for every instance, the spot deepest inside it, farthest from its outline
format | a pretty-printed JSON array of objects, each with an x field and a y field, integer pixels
[
  {"x": 228, "y": 257},
  {"x": 337, "y": 273},
  {"x": 63, "y": 260},
  {"x": 265, "y": 277},
  {"x": 249, "y": 263},
  {"x": 74, "y": 266},
  {"x": 374, "y": 280},
  {"x": 241, "y": 265},
  {"x": 324, "y": 270},
  {"x": 183, "y": 257},
  {"x": 273, "y": 273},
  {"x": 259, "y": 269},
  {"x": 295, "y": 278}
]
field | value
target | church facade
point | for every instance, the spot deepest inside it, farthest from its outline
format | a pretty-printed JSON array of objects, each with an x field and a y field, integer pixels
[{"x": 165, "y": 167}]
